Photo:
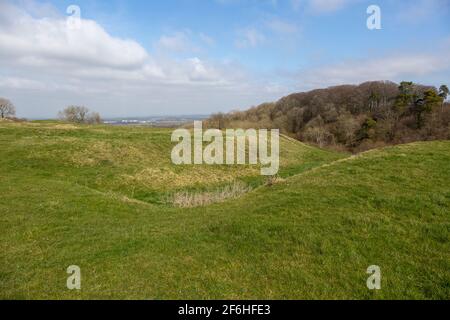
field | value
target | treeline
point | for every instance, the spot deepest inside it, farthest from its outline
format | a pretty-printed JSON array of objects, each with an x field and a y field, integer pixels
[
  {"x": 75, "y": 114},
  {"x": 354, "y": 118}
]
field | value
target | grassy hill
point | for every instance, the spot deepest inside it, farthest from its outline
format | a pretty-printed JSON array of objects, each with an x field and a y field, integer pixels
[{"x": 96, "y": 197}]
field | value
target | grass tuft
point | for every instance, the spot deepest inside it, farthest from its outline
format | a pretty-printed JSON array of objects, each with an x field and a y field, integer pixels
[{"x": 188, "y": 199}]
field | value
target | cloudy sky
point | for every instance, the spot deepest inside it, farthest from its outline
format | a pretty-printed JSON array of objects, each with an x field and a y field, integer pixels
[{"x": 178, "y": 57}]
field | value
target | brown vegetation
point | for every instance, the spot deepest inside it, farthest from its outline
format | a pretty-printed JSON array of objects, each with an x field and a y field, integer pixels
[
  {"x": 77, "y": 114},
  {"x": 7, "y": 109},
  {"x": 354, "y": 118},
  {"x": 192, "y": 199}
]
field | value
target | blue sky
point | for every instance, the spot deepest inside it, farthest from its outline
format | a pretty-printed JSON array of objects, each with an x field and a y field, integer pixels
[
  {"x": 136, "y": 58},
  {"x": 336, "y": 33}
]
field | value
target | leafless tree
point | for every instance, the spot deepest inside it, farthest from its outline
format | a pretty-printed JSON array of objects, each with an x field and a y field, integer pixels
[
  {"x": 337, "y": 116},
  {"x": 94, "y": 118},
  {"x": 219, "y": 120},
  {"x": 79, "y": 114},
  {"x": 7, "y": 109}
]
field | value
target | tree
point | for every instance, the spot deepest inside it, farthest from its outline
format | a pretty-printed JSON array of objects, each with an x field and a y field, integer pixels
[
  {"x": 345, "y": 128},
  {"x": 443, "y": 93},
  {"x": 79, "y": 114},
  {"x": 348, "y": 116},
  {"x": 219, "y": 120},
  {"x": 94, "y": 118},
  {"x": 431, "y": 100},
  {"x": 426, "y": 104},
  {"x": 367, "y": 130},
  {"x": 7, "y": 109},
  {"x": 405, "y": 97},
  {"x": 317, "y": 135},
  {"x": 374, "y": 101}
]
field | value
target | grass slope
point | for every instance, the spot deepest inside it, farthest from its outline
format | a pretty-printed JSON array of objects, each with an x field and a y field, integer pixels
[
  {"x": 131, "y": 161},
  {"x": 311, "y": 236}
]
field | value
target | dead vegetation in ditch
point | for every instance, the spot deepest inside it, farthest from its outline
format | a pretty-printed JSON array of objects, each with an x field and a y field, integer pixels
[{"x": 188, "y": 199}]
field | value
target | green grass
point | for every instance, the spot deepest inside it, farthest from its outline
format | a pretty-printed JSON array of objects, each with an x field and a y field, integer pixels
[{"x": 93, "y": 197}]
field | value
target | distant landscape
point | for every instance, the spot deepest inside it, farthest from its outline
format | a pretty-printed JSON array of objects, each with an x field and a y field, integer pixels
[
  {"x": 108, "y": 197},
  {"x": 156, "y": 121},
  {"x": 235, "y": 150},
  {"x": 353, "y": 117}
]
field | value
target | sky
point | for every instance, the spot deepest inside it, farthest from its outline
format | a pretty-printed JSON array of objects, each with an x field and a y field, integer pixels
[{"x": 127, "y": 58}]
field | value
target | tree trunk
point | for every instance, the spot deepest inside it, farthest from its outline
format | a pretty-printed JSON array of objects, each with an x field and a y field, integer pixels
[{"x": 419, "y": 120}]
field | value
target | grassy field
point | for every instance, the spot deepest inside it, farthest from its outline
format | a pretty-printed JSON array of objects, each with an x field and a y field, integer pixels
[{"x": 96, "y": 197}]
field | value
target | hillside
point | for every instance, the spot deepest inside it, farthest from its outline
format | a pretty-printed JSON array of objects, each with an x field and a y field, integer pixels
[
  {"x": 93, "y": 196},
  {"x": 129, "y": 161},
  {"x": 353, "y": 117}
]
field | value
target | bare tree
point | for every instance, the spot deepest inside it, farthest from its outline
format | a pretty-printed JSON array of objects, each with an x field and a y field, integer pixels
[
  {"x": 79, "y": 114},
  {"x": 318, "y": 135},
  {"x": 94, "y": 118},
  {"x": 219, "y": 120},
  {"x": 7, "y": 109}
]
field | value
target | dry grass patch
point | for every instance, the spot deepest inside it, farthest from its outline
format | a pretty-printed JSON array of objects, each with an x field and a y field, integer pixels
[
  {"x": 273, "y": 180},
  {"x": 102, "y": 152},
  {"x": 63, "y": 127},
  {"x": 170, "y": 178},
  {"x": 187, "y": 199}
]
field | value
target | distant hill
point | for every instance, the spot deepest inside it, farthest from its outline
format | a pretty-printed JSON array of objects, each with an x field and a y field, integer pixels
[
  {"x": 353, "y": 117},
  {"x": 156, "y": 121}
]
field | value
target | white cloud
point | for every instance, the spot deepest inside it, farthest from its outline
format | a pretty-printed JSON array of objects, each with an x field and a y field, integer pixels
[
  {"x": 418, "y": 11},
  {"x": 394, "y": 67},
  {"x": 35, "y": 44},
  {"x": 206, "y": 39},
  {"x": 296, "y": 4},
  {"x": 45, "y": 65},
  {"x": 283, "y": 27},
  {"x": 249, "y": 38},
  {"x": 20, "y": 83},
  {"x": 177, "y": 42},
  {"x": 320, "y": 6},
  {"x": 45, "y": 40},
  {"x": 271, "y": 30},
  {"x": 327, "y": 5}
]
